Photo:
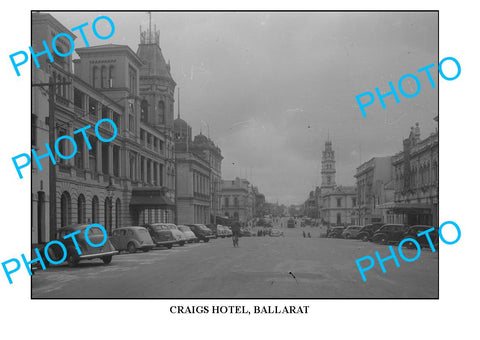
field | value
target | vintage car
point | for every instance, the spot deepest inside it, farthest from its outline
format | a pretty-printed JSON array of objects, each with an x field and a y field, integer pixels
[
  {"x": 276, "y": 232},
  {"x": 179, "y": 237},
  {"x": 413, "y": 232},
  {"x": 131, "y": 239},
  {"x": 223, "y": 231},
  {"x": 228, "y": 231},
  {"x": 201, "y": 232},
  {"x": 365, "y": 234},
  {"x": 390, "y": 233},
  {"x": 246, "y": 232},
  {"x": 190, "y": 236},
  {"x": 351, "y": 231},
  {"x": 214, "y": 229},
  {"x": 335, "y": 232},
  {"x": 95, "y": 235},
  {"x": 161, "y": 235}
]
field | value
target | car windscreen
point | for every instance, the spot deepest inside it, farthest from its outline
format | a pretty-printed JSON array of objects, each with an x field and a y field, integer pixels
[
  {"x": 203, "y": 227},
  {"x": 185, "y": 228},
  {"x": 158, "y": 228}
]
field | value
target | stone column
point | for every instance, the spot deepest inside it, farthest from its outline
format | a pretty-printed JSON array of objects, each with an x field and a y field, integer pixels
[
  {"x": 110, "y": 159},
  {"x": 99, "y": 156}
]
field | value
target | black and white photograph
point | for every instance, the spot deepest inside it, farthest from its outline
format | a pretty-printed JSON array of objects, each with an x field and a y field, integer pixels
[
  {"x": 235, "y": 155},
  {"x": 239, "y": 170}
]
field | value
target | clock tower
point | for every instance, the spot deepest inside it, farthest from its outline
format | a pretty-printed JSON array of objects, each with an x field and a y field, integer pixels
[{"x": 328, "y": 168}]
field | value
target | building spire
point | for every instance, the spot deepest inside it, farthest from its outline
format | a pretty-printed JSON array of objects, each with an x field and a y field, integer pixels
[{"x": 178, "y": 103}]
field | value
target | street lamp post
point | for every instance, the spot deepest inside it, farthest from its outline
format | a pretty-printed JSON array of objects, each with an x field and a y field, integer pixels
[{"x": 110, "y": 192}]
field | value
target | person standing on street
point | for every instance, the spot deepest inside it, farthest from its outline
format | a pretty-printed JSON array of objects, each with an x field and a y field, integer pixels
[{"x": 235, "y": 233}]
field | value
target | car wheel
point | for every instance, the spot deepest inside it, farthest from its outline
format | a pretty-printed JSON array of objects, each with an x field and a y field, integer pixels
[
  {"x": 382, "y": 240},
  {"x": 107, "y": 259},
  {"x": 347, "y": 235},
  {"x": 409, "y": 245},
  {"x": 364, "y": 238},
  {"x": 170, "y": 246},
  {"x": 145, "y": 250},
  {"x": 131, "y": 247},
  {"x": 206, "y": 240},
  {"x": 182, "y": 243},
  {"x": 72, "y": 260}
]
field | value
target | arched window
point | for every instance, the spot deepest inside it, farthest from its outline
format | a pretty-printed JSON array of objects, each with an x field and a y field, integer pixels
[
  {"x": 161, "y": 112},
  {"x": 118, "y": 209},
  {"x": 66, "y": 209},
  {"x": 81, "y": 209},
  {"x": 95, "y": 209}
]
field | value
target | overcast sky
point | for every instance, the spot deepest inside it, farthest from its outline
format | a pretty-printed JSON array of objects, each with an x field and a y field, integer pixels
[{"x": 272, "y": 86}]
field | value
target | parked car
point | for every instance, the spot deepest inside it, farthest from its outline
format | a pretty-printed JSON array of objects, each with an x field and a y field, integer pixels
[
  {"x": 188, "y": 233},
  {"x": 291, "y": 223},
  {"x": 131, "y": 239},
  {"x": 228, "y": 231},
  {"x": 201, "y": 232},
  {"x": 213, "y": 228},
  {"x": 335, "y": 232},
  {"x": 222, "y": 231},
  {"x": 179, "y": 237},
  {"x": 351, "y": 231},
  {"x": 276, "y": 232},
  {"x": 96, "y": 236},
  {"x": 413, "y": 231},
  {"x": 245, "y": 232},
  {"x": 389, "y": 233},
  {"x": 365, "y": 234},
  {"x": 161, "y": 235}
]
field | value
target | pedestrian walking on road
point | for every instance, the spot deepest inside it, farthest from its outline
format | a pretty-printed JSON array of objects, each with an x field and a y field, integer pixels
[
  {"x": 309, "y": 235},
  {"x": 304, "y": 234},
  {"x": 235, "y": 233}
]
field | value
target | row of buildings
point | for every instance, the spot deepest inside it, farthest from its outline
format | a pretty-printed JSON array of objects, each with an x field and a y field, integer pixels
[
  {"x": 401, "y": 188},
  {"x": 153, "y": 171}
]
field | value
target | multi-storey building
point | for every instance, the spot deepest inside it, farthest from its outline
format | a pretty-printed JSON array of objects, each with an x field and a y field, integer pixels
[
  {"x": 237, "y": 201},
  {"x": 198, "y": 176},
  {"x": 416, "y": 181},
  {"x": 129, "y": 180},
  {"x": 339, "y": 206},
  {"x": 374, "y": 188}
]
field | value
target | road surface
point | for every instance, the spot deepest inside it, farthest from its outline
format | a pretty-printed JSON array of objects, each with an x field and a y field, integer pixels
[{"x": 262, "y": 267}]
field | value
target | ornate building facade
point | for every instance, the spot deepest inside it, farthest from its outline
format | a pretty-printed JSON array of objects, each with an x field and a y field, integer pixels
[
  {"x": 416, "y": 181},
  {"x": 128, "y": 181},
  {"x": 199, "y": 164},
  {"x": 374, "y": 188}
]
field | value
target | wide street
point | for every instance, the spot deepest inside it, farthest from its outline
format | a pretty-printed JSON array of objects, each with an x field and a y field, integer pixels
[{"x": 259, "y": 268}]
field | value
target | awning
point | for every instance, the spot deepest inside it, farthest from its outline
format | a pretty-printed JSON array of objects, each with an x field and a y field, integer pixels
[
  {"x": 407, "y": 208},
  {"x": 150, "y": 198}
]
